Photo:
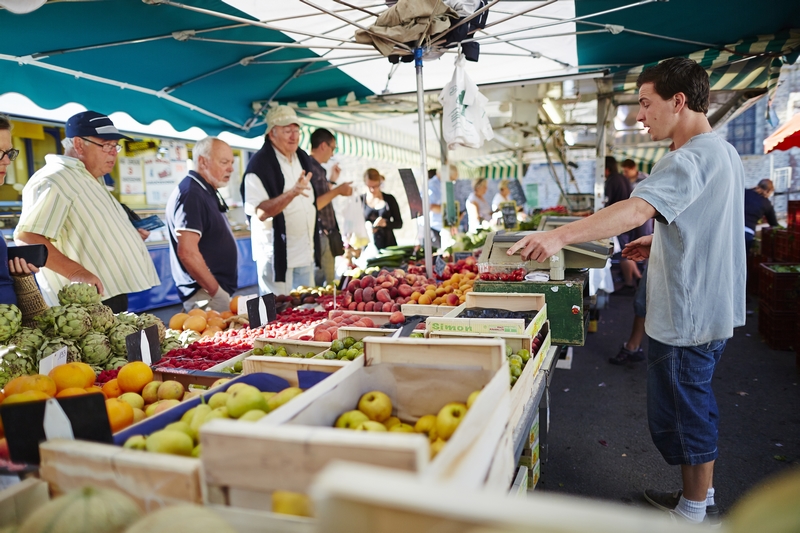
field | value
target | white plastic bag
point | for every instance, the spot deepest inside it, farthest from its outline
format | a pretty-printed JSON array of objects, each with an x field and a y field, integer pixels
[
  {"x": 352, "y": 222},
  {"x": 465, "y": 121}
]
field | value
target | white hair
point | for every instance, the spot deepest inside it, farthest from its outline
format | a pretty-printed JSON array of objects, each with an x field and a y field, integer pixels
[
  {"x": 67, "y": 144},
  {"x": 202, "y": 148}
]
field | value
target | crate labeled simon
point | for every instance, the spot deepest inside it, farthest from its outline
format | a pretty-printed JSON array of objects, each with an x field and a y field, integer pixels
[{"x": 455, "y": 322}]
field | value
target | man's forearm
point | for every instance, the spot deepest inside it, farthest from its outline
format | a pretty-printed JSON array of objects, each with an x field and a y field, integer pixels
[
  {"x": 613, "y": 220},
  {"x": 56, "y": 261},
  {"x": 197, "y": 268},
  {"x": 273, "y": 206},
  {"x": 326, "y": 198}
]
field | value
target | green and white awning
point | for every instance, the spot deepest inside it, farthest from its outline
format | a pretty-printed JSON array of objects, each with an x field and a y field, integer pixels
[
  {"x": 747, "y": 64},
  {"x": 645, "y": 157},
  {"x": 493, "y": 167}
]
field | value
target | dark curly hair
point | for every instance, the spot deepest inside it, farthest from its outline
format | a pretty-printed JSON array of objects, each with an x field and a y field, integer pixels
[{"x": 679, "y": 75}]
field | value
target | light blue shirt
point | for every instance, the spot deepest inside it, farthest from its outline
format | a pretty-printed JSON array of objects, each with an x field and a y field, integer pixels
[
  {"x": 435, "y": 198},
  {"x": 697, "y": 269}
]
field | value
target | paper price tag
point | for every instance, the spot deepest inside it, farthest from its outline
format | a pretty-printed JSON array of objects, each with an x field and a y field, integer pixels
[
  {"x": 53, "y": 360},
  {"x": 56, "y": 424},
  {"x": 241, "y": 308}
]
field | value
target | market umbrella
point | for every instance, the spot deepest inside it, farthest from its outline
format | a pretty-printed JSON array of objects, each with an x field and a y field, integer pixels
[{"x": 786, "y": 137}]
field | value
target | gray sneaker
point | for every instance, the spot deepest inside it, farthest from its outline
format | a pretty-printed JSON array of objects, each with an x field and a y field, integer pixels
[{"x": 668, "y": 501}]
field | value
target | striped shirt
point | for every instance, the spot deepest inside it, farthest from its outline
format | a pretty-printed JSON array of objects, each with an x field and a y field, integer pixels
[{"x": 67, "y": 205}]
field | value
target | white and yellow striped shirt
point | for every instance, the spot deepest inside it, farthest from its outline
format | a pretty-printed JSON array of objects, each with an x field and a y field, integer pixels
[{"x": 66, "y": 204}]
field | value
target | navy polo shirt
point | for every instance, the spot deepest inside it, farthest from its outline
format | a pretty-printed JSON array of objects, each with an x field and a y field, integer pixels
[{"x": 195, "y": 206}]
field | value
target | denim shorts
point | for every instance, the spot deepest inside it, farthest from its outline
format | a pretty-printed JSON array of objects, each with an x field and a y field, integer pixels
[
  {"x": 640, "y": 298},
  {"x": 681, "y": 408}
]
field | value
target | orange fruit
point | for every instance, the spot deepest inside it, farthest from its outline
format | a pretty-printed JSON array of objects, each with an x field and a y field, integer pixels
[
  {"x": 176, "y": 322},
  {"x": 197, "y": 312},
  {"x": 2, "y": 397},
  {"x": 41, "y": 383},
  {"x": 217, "y": 322},
  {"x": 234, "y": 307},
  {"x": 95, "y": 388},
  {"x": 111, "y": 389},
  {"x": 72, "y": 391},
  {"x": 71, "y": 375},
  {"x": 134, "y": 376},
  {"x": 212, "y": 314},
  {"x": 120, "y": 414},
  {"x": 17, "y": 385},
  {"x": 210, "y": 331},
  {"x": 90, "y": 375},
  {"x": 196, "y": 323},
  {"x": 27, "y": 396},
  {"x": 225, "y": 314}
]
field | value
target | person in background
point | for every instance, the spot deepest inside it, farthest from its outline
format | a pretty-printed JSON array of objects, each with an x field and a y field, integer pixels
[
  {"x": 435, "y": 205},
  {"x": 381, "y": 210},
  {"x": 203, "y": 253},
  {"x": 618, "y": 189},
  {"x": 280, "y": 201},
  {"x": 503, "y": 195},
  {"x": 323, "y": 146},
  {"x": 756, "y": 207},
  {"x": 89, "y": 238},
  {"x": 7, "y": 155},
  {"x": 692, "y": 193},
  {"x": 630, "y": 171},
  {"x": 478, "y": 209}
]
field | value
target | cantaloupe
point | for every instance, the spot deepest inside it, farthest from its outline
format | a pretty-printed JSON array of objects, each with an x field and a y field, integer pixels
[
  {"x": 182, "y": 518},
  {"x": 81, "y": 510}
]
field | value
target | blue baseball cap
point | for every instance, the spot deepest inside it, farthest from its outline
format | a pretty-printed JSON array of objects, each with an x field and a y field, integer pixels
[{"x": 93, "y": 124}]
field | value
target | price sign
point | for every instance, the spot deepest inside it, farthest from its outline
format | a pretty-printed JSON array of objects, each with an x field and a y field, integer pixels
[
  {"x": 261, "y": 311},
  {"x": 412, "y": 192},
  {"x": 509, "y": 212},
  {"x": 53, "y": 360},
  {"x": 144, "y": 346}
]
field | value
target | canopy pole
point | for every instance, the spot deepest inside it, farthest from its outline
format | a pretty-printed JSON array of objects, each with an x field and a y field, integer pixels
[{"x": 423, "y": 162}]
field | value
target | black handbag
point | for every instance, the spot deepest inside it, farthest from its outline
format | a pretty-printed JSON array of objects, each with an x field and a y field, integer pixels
[{"x": 335, "y": 243}]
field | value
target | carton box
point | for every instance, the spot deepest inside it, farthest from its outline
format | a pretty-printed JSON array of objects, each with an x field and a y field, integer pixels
[
  {"x": 287, "y": 448},
  {"x": 452, "y": 323}
]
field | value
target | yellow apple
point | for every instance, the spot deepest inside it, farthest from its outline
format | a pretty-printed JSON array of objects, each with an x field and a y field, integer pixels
[
  {"x": 472, "y": 397},
  {"x": 448, "y": 419},
  {"x": 370, "y": 425},
  {"x": 376, "y": 405},
  {"x": 401, "y": 428},
  {"x": 350, "y": 419},
  {"x": 391, "y": 421}
]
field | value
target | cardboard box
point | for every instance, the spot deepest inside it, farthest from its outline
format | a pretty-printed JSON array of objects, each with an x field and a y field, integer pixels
[
  {"x": 287, "y": 448},
  {"x": 451, "y": 323}
]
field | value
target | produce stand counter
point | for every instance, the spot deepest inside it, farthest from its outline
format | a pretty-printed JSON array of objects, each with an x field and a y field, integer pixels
[{"x": 167, "y": 294}]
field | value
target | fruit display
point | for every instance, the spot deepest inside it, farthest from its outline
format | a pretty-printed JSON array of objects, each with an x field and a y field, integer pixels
[
  {"x": 328, "y": 330},
  {"x": 518, "y": 359},
  {"x": 374, "y": 413},
  {"x": 486, "y": 312},
  {"x": 385, "y": 292},
  {"x": 240, "y": 401},
  {"x": 346, "y": 349}
]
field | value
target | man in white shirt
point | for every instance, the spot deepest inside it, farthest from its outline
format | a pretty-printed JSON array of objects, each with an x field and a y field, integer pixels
[{"x": 281, "y": 205}]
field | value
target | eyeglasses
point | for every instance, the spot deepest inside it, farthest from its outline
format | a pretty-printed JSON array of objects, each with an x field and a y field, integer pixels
[
  {"x": 12, "y": 154},
  {"x": 107, "y": 148}
]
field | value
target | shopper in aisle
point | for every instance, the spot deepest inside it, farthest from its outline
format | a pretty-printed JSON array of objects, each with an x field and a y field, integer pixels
[
  {"x": 202, "y": 252},
  {"x": 478, "y": 208},
  {"x": 503, "y": 195},
  {"x": 381, "y": 210},
  {"x": 440, "y": 238},
  {"x": 89, "y": 237},
  {"x": 632, "y": 173},
  {"x": 617, "y": 189},
  {"x": 696, "y": 285},
  {"x": 323, "y": 146},
  {"x": 756, "y": 207},
  {"x": 280, "y": 202}
]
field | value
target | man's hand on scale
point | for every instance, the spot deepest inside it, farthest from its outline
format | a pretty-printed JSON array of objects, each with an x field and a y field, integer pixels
[{"x": 538, "y": 246}]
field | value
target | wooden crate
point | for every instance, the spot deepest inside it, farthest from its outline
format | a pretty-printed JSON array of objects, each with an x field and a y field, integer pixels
[
  {"x": 361, "y": 333},
  {"x": 378, "y": 318},
  {"x": 451, "y": 322},
  {"x": 288, "y": 367},
  {"x": 19, "y": 501},
  {"x": 425, "y": 310},
  {"x": 292, "y": 346},
  {"x": 391, "y": 501},
  {"x": 197, "y": 378},
  {"x": 153, "y": 480},
  {"x": 287, "y": 448}
]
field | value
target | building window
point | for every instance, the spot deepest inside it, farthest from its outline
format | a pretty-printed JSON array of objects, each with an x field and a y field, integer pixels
[{"x": 742, "y": 132}]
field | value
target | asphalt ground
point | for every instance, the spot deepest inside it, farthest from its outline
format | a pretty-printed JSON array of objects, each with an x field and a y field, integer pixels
[{"x": 599, "y": 444}]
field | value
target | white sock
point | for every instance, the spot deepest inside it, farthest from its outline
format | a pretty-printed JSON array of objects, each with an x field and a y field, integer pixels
[
  {"x": 710, "y": 497},
  {"x": 692, "y": 511}
]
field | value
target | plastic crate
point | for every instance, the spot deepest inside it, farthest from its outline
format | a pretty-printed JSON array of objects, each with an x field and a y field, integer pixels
[
  {"x": 753, "y": 273},
  {"x": 779, "y": 290},
  {"x": 768, "y": 243},
  {"x": 793, "y": 216},
  {"x": 778, "y": 328},
  {"x": 784, "y": 245}
]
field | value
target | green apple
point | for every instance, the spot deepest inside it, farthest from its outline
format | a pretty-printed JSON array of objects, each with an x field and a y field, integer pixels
[
  {"x": 199, "y": 417},
  {"x": 371, "y": 425},
  {"x": 525, "y": 354},
  {"x": 138, "y": 415},
  {"x": 282, "y": 397},
  {"x": 183, "y": 427},
  {"x": 402, "y": 428},
  {"x": 170, "y": 390},
  {"x": 220, "y": 381},
  {"x": 150, "y": 392},
  {"x": 218, "y": 400},
  {"x": 245, "y": 399},
  {"x": 170, "y": 441},
  {"x": 236, "y": 386},
  {"x": 187, "y": 416},
  {"x": 133, "y": 399},
  {"x": 252, "y": 416},
  {"x": 196, "y": 450},
  {"x": 516, "y": 359},
  {"x": 137, "y": 442},
  {"x": 350, "y": 419},
  {"x": 376, "y": 405},
  {"x": 268, "y": 395},
  {"x": 472, "y": 397},
  {"x": 448, "y": 419},
  {"x": 391, "y": 421}
]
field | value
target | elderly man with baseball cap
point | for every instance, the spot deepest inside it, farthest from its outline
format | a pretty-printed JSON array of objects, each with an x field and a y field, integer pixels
[
  {"x": 281, "y": 203},
  {"x": 89, "y": 237}
]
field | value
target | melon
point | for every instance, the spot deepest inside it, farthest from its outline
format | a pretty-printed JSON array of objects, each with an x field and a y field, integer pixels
[
  {"x": 182, "y": 518},
  {"x": 81, "y": 510}
]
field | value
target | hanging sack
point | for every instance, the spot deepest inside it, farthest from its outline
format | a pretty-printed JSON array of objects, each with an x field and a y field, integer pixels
[{"x": 465, "y": 122}]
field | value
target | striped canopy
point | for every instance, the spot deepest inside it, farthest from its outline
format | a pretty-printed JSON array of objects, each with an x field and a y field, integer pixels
[{"x": 645, "y": 157}]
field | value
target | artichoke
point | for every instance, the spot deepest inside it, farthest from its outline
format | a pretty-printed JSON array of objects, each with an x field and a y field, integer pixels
[
  {"x": 45, "y": 322},
  {"x": 78, "y": 294},
  {"x": 117, "y": 337},
  {"x": 132, "y": 319},
  {"x": 10, "y": 321},
  {"x": 71, "y": 321},
  {"x": 102, "y": 316},
  {"x": 169, "y": 344},
  {"x": 28, "y": 341},
  {"x": 53, "y": 345},
  {"x": 147, "y": 319},
  {"x": 15, "y": 363},
  {"x": 96, "y": 348},
  {"x": 116, "y": 362}
]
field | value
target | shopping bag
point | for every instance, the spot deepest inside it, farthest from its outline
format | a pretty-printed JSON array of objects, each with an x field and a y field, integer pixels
[
  {"x": 464, "y": 107},
  {"x": 352, "y": 221}
]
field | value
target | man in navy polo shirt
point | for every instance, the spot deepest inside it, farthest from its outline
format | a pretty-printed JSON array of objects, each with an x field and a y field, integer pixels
[{"x": 203, "y": 253}]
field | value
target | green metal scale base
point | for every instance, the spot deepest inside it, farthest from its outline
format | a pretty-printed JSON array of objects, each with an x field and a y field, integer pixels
[{"x": 565, "y": 304}]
